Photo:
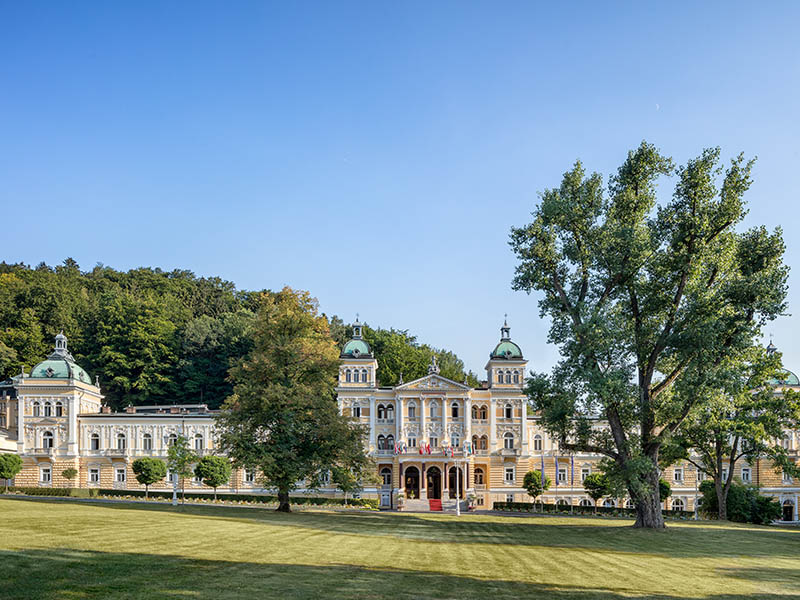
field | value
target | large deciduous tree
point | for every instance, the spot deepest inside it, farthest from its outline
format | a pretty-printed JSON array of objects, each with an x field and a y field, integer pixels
[
  {"x": 639, "y": 294},
  {"x": 10, "y": 465},
  {"x": 741, "y": 414},
  {"x": 282, "y": 418},
  {"x": 213, "y": 471},
  {"x": 149, "y": 470}
]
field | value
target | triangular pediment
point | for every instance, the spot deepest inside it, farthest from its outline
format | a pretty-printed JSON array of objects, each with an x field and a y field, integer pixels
[{"x": 433, "y": 382}]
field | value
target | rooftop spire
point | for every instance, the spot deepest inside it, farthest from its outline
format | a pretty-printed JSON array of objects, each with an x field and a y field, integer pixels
[
  {"x": 357, "y": 329},
  {"x": 505, "y": 330},
  {"x": 60, "y": 350}
]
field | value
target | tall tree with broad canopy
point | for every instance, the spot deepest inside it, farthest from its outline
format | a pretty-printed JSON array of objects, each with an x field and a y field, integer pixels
[
  {"x": 282, "y": 418},
  {"x": 639, "y": 294},
  {"x": 10, "y": 465},
  {"x": 741, "y": 416},
  {"x": 149, "y": 470}
]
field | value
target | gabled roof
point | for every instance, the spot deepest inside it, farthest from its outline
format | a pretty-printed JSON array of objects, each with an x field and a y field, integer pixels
[{"x": 433, "y": 381}]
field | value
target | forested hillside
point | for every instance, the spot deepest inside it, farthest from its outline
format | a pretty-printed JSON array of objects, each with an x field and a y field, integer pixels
[{"x": 159, "y": 337}]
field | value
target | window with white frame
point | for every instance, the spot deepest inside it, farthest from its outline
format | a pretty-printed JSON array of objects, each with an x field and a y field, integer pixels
[
  {"x": 172, "y": 439},
  {"x": 787, "y": 478},
  {"x": 516, "y": 376},
  {"x": 94, "y": 475},
  {"x": 122, "y": 441},
  {"x": 479, "y": 501},
  {"x": 37, "y": 411},
  {"x": 171, "y": 477},
  {"x": 585, "y": 502},
  {"x": 455, "y": 440},
  {"x": 94, "y": 441},
  {"x": 677, "y": 504},
  {"x": 412, "y": 442},
  {"x": 119, "y": 474},
  {"x": 508, "y": 411},
  {"x": 45, "y": 474},
  {"x": 585, "y": 472},
  {"x": 724, "y": 474},
  {"x": 412, "y": 411},
  {"x": 454, "y": 410},
  {"x": 59, "y": 409},
  {"x": 479, "y": 476},
  {"x": 562, "y": 475},
  {"x": 677, "y": 475},
  {"x": 434, "y": 442},
  {"x": 509, "y": 497},
  {"x": 47, "y": 439},
  {"x": 537, "y": 443},
  {"x": 508, "y": 441},
  {"x": 347, "y": 376},
  {"x": 390, "y": 412},
  {"x": 356, "y": 412},
  {"x": 199, "y": 442},
  {"x": 249, "y": 476},
  {"x": 746, "y": 474},
  {"x": 147, "y": 441},
  {"x": 386, "y": 476},
  {"x": 48, "y": 409},
  {"x": 355, "y": 375},
  {"x": 434, "y": 410},
  {"x": 510, "y": 475}
]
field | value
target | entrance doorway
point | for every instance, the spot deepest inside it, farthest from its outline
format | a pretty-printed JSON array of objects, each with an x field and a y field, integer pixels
[
  {"x": 412, "y": 482},
  {"x": 788, "y": 510},
  {"x": 455, "y": 478},
  {"x": 434, "y": 484}
]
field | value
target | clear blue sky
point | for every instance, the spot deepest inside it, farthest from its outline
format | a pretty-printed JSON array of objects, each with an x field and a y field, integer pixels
[{"x": 373, "y": 153}]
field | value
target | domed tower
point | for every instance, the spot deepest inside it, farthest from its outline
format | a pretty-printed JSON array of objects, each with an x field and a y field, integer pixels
[
  {"x": 786, "y": 378},
  {"x": 506, "y": 366},
  {"x": 49, "y": 402},
  {"x": 358, "y": 366}
]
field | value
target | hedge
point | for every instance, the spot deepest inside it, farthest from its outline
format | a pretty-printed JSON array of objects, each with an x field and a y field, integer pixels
[
  {"x": 566, "y": 509},
  {"x": 257, "y": 498}
]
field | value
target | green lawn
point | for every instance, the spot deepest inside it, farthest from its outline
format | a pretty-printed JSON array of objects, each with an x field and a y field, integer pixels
[{"x": 59, "y": 549}]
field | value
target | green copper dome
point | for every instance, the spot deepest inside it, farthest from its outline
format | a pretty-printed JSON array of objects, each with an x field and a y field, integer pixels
[
  {"x": 506, "y": 349},
  {"x": 356, "y": 348},
  {"x": 787, "y": 378},
  {"x": 60, "y": 364}
]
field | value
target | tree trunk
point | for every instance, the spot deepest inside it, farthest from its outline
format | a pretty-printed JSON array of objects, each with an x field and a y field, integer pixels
[
  {"x": 648, "y": 504},
  {"x": 283, "y": 502},
  {"x": 147, "y": 492},
  {"x": 215, "y": 494},
  {"x": 722, "y": 499}
]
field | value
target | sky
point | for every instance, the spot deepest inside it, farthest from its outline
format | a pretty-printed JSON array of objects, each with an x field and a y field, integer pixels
[{"x": 374, "y": 153}]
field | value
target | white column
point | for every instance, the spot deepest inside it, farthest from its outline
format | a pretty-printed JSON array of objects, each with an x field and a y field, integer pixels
[
  {"x": 468, "y": 419},
  {"x": 445, "y": 408},
  {"x": 421, "y": 419},
  {"x": 72, "y": 440},
  {"x": 492, "y": 425},
  {"x": 20, "y": 426},
  {"x": 524, "y": 427},
  {"x": 372, "y": 422},
  {"x": 398, "y": 419}
]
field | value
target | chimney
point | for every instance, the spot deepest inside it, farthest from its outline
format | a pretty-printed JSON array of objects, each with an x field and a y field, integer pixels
[
  {"x": 130, "y": 409},
  {"x": 105, "y": 409}
]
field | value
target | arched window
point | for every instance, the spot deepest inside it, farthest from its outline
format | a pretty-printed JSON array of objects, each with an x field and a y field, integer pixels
[
  {"x": 508, "y": 412},
  {"x": 172, "y": 439},
  {"x": 390, "y": 442},
  {"x": 364, "y": 378},
  {"x": 483, "y": 413},
  {"x": 500, "y": 377},
  {"x": 484, "y": 442},
  {"x": 474, "y": 412},
  {"x": 609, "y": 503},
  {"x": 347, "y": 376},
  {"x": 434, "y": 410},
  {"x": 122, "y": 441},
  {"x": 381, "y": 411},
  {"x": 677, "y": 504},
  {"x": 508, "y": 441},
  {"x": 37, "y": 411},
  {"x": 412, "y": 411},
  {"x": 386, "y": 476},
  {"x": 59, "y": 409},
  {"x": 537, "y": 443},
  {"x": 629, "y": 503},
  {"x": 516, "y": 376},
  {"x": 381, "y": 443},
  {"x": 562, "y": 502},
  {"x": 198, "y": 441},
  {"x": 585, "y": 502},
  {"x": 47, "y": 439},
  {"x": 147, "y": 441},
  {"x": 94, "y": 441},
  {"x": 355, "y": 375},
  {"x": 48, "y": 409},
  {"x": 787, "y": 441},
  {"x": 475, "y": 442},
  {"x": 508, "y": 376},
  {"x": 390, "y": 412},
  {"x": 478, "y": 476},
  {"x": 454, "y": 410},
  {"x": 455, "y": 440}
]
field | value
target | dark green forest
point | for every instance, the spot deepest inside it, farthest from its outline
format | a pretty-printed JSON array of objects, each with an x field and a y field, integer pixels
[{"x": 162, "y": 337}]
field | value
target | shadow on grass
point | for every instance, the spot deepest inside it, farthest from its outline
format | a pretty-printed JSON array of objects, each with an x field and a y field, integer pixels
[
  {"x": 67, "y": 573},
  {"x": 788, "y": 577},
  {"x": 678, "y": 540}
]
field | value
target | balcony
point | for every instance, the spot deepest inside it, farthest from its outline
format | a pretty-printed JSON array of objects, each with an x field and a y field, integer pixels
[
  {"x": 509, "y": 452},
  {"x": 116, "y": 451},
  {"x": 41, "y": 452},
  {"x": 384, "y": 452},
  {"x": 385, "y": 421}
]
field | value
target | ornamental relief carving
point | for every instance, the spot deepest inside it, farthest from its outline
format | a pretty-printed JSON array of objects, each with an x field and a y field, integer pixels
[
  {"x": 454, "y": 428},
  {"x": 501, "y": 429},
  {"x": 411, "y": 429},
  {"x": 433, "y": 428}
]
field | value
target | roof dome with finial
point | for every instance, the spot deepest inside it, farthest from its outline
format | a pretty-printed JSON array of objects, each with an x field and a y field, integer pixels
[
  {"x": 356, "y": 347},
  {"x": 506, "y": 348},
  {"x": 786, "y": 377},
  {"x": 60, "y": 364}
]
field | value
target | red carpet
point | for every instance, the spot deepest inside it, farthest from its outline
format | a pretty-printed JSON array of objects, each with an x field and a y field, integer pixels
[{"x": 435, "y": 504}]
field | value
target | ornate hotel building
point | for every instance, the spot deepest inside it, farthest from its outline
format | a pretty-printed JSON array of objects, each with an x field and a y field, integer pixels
[{"x": 432, "y": 439}]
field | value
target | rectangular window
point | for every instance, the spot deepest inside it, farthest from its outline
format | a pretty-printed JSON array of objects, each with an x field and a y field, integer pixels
[
  {"x": 120, "y": 475},
  {"x": 562, "y": 476},
  {"x": 456, "y": 441},
  {"x": 412, "y": 442},
  {"x": 94, "y": 475},
  {"x": 787, "y": 478},
  {"x": 147, "y": 443},
  {"x": 171, "y": 477},
  {"x": 701, "y": 476},
  {"x": 46, "y": 475},
  {"x": 724, "y": 474},
  {"x": 249, "y": 476},
  {"x": 677, "y": 475},
  {"x": 746, "y": 474},
  {"x": 509, "y": 497},
  {"x": 434, "y": 442},
  {"x": 584, "y": 473},
  {"x": 412, "y": 412},
  {"x": 509, "y": 474},
  {"x": 357, "y": 412},
  {"x": 197, "y": 480},
  {"x": 479, "y": 501}
]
